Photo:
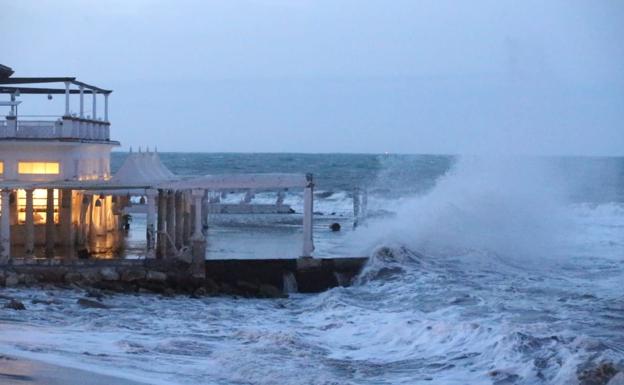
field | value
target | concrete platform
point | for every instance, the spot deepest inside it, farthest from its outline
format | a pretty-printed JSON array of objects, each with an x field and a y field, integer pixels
[{"x": 310, "y": 275}]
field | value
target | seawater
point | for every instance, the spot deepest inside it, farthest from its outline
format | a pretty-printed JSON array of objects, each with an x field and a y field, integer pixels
[{"x": 482, "y": 271}]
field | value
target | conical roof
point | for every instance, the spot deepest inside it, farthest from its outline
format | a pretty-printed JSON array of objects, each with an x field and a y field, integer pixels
[{"x": 143, "y": 168}]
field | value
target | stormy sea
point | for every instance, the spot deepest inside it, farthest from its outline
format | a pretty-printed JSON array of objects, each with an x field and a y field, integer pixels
[{"x": 483, "y": 270}]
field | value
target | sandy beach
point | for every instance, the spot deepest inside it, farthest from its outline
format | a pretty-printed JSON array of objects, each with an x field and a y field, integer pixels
[{"x": 18, "y": 371}]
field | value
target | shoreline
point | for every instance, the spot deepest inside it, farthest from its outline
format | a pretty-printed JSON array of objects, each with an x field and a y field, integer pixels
[{"x": 19, "y": 371}]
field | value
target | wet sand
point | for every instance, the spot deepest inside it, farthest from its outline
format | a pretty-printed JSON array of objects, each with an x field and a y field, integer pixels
[{"x": 18, "y": 371}]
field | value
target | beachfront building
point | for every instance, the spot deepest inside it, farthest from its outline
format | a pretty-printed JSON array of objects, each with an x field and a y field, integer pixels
[
  {"x": 42, "y": 165},
  {"x": 59, "y": 199}
]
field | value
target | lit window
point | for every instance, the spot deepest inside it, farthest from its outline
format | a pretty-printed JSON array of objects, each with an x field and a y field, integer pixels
[
  {"x": 40, "y": 199},
  {"x": 1, "y": 167},
  {"x": 39, "y": 168}
]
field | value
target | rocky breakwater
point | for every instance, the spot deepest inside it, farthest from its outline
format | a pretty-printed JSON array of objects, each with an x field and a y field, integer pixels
[
  {"x": 267, "y": 278},
  {"x": 165, "y": 277}
]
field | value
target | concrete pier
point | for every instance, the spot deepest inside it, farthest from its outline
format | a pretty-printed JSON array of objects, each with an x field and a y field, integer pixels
[{"x": 266, "y": 278}]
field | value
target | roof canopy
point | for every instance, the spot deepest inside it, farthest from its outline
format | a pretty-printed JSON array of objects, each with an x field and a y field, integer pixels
[{"x": 6, "y": 78}]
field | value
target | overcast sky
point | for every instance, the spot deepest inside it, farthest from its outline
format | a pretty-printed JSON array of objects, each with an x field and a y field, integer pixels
[{"x": 409, "y": 76}]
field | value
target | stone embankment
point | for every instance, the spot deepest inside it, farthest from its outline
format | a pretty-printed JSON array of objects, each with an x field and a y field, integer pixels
[{"x": 244, "y": 278}]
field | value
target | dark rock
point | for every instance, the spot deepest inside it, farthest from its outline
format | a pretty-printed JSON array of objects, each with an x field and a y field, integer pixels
[
  {"x": 11, "y": 280},
  {"x": 94, "y": 293},
  {"x": 168, "y": 292},
  {"x": 72, "y": 277},
  {"x": 211, "y": 286},
  {"x": 90, "y": 276},
  {"x": 156, "y": 276},
  {"x": 15, "y": 305},
  {"x": 45, "y": 301},
  {"x": 26, "y": 279},
  {"x": 599, "y": 375},
  {"x": 247, "y": 287},
  {"x": 132, "y": 275},
  {"x": 270, "y": 291},
  {"x": 84, "y": 302},
  {"x": 109, "y": 274},
  {"x": 115, "y": 286},
  {"x": 199, "y": 292}
]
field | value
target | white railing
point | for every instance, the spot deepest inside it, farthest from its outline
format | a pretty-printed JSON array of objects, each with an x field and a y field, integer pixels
[
  {"x": 36, "y": 129},
  {"x": 62, "y": 128}
]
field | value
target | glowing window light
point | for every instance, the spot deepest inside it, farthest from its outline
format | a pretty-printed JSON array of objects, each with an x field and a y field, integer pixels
[
  {"x": 40, "y": 199},
  {"x": 38, "y": 168},
  {"x": 1, "y": 167}
]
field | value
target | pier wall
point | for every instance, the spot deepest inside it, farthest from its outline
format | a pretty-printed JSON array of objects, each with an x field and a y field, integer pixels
[{"x": 268, "y": 278}]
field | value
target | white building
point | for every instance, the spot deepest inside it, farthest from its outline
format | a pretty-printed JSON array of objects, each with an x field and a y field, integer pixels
[{"x": 58, "y": 197}]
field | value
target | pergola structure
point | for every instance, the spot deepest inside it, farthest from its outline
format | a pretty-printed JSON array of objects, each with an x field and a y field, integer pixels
[{"x": 175, "y": 205}]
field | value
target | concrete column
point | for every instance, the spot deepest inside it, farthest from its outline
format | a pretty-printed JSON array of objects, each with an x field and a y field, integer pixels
[
  {"x": 150, "y": 233},
  {"x": 65, "y": 219},
  {"x": 187, "y": 217},
  {"x": 94, "y": 112},
  {"x": 66, "y": 98},
  {"x": 106, "y": 107},
  {"x": 82, "y": 222},
  {"x": 30, "y": 224},
  {"x": 5, "y": 227},
  {"x": 82, "y": 102},
  {"x": 91, "y": 227},
  {"x": 308, "y": 217},
  {"x": 198, "y": 240},
  {"x": 171, "y": 224},
  {"x": 356, "y": 207},
  {"x": 162, "y": 211},
  {"x": 49, "y": 229},
  {"x": 198, "y": 196},
  {"x": 204, "y": 211},
  {"x": 13, "y": 208},
  {"x": 179, "y": 219}
]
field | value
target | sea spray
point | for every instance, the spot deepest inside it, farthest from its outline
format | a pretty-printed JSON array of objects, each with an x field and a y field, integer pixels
[{"x": 505, "y": 206}]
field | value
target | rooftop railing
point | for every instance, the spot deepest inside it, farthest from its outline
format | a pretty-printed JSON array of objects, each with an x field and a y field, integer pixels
[{"x": 65, "y": 127}]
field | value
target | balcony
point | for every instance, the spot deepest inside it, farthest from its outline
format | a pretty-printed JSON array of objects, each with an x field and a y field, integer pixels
[
  {"x": 69, "y": 126},
  {"x": 66, "y": 127}
]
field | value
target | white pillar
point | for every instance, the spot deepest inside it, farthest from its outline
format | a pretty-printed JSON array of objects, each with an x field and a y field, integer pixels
[
  {"x": 198, "y": 195},
  {"x": 66, "y": 98},
  {"x": 308, "y": 216},
  {"x": 82, "y": 102},
  {"x": 30, "y": 225},
  {"x": 5, "y": 228},
  {"x": 151, "y": 219},
  {"x": 50, "y": 227},
  {"x": 106, "y": 107},
  {"x": 94, "y": 112}
]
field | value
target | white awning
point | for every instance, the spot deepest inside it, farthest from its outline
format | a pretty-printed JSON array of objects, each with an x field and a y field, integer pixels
[{"x": 142, "y": 168}]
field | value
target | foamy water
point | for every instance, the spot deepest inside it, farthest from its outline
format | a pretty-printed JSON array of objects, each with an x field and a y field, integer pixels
[{"x": 487, "y": 278}]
